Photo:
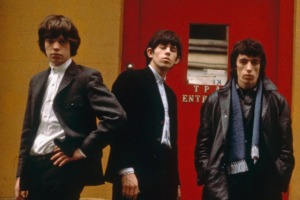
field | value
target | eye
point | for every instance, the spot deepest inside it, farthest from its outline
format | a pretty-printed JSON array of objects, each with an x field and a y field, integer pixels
[
  {"x": 255, "y": 62},
  {"x": 63, "y": 41},
  {"x": 162, "y": 46},
  {"x": 244, "y": 61},
  {"x": 173, "y": 48},
  {"x": 50, "y": 40}
]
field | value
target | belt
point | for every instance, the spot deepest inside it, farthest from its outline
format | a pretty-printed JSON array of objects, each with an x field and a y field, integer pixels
[{"x": 42, "y": 157}]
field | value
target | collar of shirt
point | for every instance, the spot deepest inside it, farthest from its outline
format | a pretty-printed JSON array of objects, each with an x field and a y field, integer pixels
[
  {"x": 242, "y": 92},
  {"x": 238, "y": 87},
  {"x": 158, "y": 78},
  {"x": 62, "y": 68}
]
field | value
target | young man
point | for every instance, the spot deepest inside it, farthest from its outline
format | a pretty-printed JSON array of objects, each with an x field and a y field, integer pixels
[
  {"x": 61, "y": 144},
  {"x": 244, "y": 144},
  {"x": 143, "y": 163}
]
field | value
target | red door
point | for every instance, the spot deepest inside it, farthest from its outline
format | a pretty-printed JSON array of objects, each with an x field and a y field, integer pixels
[{"x": 270, "y": 21}]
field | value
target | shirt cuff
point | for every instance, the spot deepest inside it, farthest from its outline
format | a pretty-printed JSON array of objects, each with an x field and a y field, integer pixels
[
  {"x": 128, "y": 170},
  {"x": 82, "y": 153}
]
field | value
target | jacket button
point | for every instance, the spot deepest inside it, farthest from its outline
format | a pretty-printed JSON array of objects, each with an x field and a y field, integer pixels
[
  {"x": 158, "y": 139},
  {"x": 162, "y": 122},
  {"x": 223, "y": 166}
]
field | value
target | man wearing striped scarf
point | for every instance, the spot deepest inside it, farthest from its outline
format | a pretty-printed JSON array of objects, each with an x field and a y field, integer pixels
[{"x": 244, "y": 143}]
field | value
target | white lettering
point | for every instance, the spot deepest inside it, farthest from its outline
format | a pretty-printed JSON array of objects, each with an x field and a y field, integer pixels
[
  {"x": 206, "y": 88},
  {"x": 196, "y": 88},
  {"x": 184, "y": 98},
  {"x": 190, "y": 98}
]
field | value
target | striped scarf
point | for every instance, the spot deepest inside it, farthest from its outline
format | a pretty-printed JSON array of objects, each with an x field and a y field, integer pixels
[{"x": 237, "y": 152}]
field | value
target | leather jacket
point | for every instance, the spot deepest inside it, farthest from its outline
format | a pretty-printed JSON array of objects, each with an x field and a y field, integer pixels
[{"x": 211, "y": 144}]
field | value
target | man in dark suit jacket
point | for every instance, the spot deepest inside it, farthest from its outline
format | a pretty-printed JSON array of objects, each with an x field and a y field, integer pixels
[
  {"x": 143, "y": 162},
  {"x": 61, "y": 143}
]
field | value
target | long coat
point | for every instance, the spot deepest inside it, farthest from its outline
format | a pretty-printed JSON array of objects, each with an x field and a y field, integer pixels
[
  {"x": 81, "y": 99},
  {"x": 210, "y": 150},
  {"x": 139, "y": 145}
]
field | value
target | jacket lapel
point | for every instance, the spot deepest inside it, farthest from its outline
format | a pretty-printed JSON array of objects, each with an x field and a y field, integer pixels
[
  {"x": 268, "y": 86},
  {"x": 224, "y": 100},
  {"x": 153, "y": 96},
  {"x": 68, "y": 77},
  {"x": 38, "y": 88},
  {"x": 152, "y": 86}
]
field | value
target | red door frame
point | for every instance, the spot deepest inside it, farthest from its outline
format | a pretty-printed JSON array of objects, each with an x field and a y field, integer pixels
[{"x": 280, "y": 72}]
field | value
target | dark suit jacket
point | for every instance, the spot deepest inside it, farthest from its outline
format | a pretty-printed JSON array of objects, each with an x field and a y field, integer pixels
[
  {"x": 81, "y": 99},
  {"x": 139, "y": 144}
]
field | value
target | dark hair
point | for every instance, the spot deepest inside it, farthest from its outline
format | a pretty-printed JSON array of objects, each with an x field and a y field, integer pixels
[
  {"x": 251, "y": 48},
  {"x": 55, "y": 25},
  {"x": 164, "y": 37}
]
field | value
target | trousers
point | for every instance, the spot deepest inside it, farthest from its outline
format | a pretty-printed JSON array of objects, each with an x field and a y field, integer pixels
[{"x": 49, "y": 182}]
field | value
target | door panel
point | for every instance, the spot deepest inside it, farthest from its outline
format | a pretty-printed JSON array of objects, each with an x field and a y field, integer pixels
[{"x": 270, "y": 21}]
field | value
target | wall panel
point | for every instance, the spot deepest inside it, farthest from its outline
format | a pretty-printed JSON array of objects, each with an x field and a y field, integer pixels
[{"x": 99, "y": 25}]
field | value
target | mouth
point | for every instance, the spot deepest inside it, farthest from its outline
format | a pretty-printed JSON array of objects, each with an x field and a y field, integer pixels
[
  {"x": 55, "y": 55},
  {"x": 248, "y": 77},
  {"x": 166, "y": 59}
]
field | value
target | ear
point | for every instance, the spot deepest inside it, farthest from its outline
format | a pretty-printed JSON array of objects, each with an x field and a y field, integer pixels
[
  {"x": 150, "y": 52},
  {"x": 177, "y": 60}
]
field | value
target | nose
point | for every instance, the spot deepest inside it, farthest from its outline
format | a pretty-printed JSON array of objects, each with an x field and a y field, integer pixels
[
  {"x": 56, "y": 45},
  {"x": 168, "y": 49},
  {"x": 249, "y": 66}
]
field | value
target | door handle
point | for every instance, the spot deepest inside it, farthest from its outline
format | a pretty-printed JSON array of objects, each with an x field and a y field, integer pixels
[{"x": 129, "y": 66}]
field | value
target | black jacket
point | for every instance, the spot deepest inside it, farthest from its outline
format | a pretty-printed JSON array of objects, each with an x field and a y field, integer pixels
[
  {"x": 210, "y": 150},
  {"x": 139, "y": 144}
]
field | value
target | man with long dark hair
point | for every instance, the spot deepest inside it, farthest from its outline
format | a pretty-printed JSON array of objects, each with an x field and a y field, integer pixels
[
  {"x": 61, "y": 144},
  {"x": 244, "y": 144}
]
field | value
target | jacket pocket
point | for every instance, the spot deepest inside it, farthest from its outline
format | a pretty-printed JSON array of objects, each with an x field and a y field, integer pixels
[
  {"x": 73, "y": 103},
  {"x": 284, "y": 171},
  {"x": 201, "y": 172},
  {"x": 215, "y": 186}
]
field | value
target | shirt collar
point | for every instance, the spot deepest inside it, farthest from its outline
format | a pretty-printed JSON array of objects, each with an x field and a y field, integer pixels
[
  {"x": 238, "y": 88},
  {"x": 61, "y": 68},
  {"x": 158, "y": 78},
  {"x": 243, "y": 93}
]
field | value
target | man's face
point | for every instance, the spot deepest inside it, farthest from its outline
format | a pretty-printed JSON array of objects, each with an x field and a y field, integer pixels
[
  {"x": 163, "y": 57},
  {"x": 247, "y": 69},
  {"x": 57, "y": 50}
]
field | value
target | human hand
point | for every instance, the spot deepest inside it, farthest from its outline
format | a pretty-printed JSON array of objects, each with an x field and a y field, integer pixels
[
  {"x": 20, "y": 195},
  {"x": 60, "y": 159},
  {"x": 130, "y": 188},
  {"x": 178, "y": 193}
]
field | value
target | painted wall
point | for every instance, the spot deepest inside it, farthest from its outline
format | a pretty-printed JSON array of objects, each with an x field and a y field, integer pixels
[
  {"x": 295, "y": 182},
  {"x": 99, "y": 25}
]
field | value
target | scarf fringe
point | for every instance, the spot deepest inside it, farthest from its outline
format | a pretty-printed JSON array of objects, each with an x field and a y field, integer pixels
[
  {"x": 237, "y": 167},
  {"x": 254, "y": 153}
]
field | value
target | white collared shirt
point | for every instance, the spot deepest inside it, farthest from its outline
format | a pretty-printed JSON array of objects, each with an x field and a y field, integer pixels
[
  {"x": 165, "y": 139},
  {"x": 49, "y": 127}
]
